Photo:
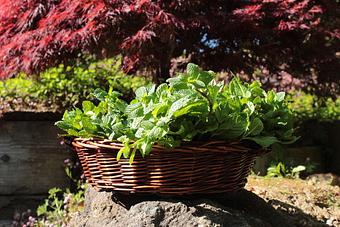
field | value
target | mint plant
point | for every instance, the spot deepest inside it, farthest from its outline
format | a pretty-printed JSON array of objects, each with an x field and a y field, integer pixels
[{"x": 189, "y": 107}]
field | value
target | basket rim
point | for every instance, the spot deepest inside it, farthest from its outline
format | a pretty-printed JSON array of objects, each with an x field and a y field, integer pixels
[{"x": 192, "y": 146}]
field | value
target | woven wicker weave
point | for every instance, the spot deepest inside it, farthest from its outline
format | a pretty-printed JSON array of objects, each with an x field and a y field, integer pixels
[{"x": 194, "y": 168}]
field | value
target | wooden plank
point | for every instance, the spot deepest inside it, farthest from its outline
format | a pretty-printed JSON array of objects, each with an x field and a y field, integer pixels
[
  {"x": 31, "y": 157},
  {"x": 5, "y": 223},
  {"x": 17, "y": 204}
]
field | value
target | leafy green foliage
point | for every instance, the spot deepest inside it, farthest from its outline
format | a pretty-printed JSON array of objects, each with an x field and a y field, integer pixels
[
  {"x": 191, "y": 106},
  {"x": 281, "y": 170},
  {"x": 308, "y": 106},
  {"x": 17, "y": 94},
  {"x": 63, "y": 86}
]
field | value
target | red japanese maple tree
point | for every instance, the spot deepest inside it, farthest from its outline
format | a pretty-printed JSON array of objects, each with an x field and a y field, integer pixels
[{"x": 281, "y": 37}]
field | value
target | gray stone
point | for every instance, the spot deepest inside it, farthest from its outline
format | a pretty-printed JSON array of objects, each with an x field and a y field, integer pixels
[{"x": 106, "y": 209}]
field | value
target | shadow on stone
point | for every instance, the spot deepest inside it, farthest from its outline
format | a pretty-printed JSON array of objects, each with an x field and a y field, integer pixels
[
  {"x": 297, "y": 216},
  {"x": 241, "y": 208}
]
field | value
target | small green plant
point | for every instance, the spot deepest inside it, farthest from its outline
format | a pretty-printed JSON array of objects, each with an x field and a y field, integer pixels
[
  {"x": 281, "y": 170},
  {"x": 191, "y": 106},
  {"x": 59, "y": 207}
]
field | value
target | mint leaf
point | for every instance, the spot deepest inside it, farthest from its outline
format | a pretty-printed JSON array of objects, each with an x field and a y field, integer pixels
[
  {"x": 280, "y": 96},
  {"x": 264, "y": 141},
  {"x": 255, "y": 127},
  {"x": 100, "y": 94}
]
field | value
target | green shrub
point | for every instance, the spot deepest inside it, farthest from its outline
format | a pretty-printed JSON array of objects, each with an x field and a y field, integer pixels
[
  {"x": 16, "y": 87},
  {"x": 308, "y": 106},
  {"x": 18, "y": 94},
  {"x": 69, "y": 85},
  {"x": 65, "y": 86},
  {"x": 191, "y": 106}
]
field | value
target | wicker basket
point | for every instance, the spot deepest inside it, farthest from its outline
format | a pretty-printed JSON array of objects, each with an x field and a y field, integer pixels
[{"x": 193, "y": 168}]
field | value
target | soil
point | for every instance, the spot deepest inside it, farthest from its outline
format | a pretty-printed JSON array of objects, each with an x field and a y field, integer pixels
[{"x": 305, "y": 202}]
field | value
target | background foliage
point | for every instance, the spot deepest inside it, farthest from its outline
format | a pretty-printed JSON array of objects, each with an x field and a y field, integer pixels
[
  {"x": 62, "y": 87},
  {"x": 311, "y": 107}
]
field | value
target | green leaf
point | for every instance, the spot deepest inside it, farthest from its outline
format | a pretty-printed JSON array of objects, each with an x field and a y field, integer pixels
[
  {"x": 63, "y": 125},
  {"x": 198, "y": 83},
  {"x": 146, "y": 147},
  {"x": 293, "y": 139},
  {"x": 126, "y": 151},
  {"x": 151, "y": 89},
  {"x": 256, "y": 89},
  {"x": 88, "y": 125},
  {"x": 54, "y": 191},
  {"x": 134, "y": 110},
  {"x": 271, "y": 97},
  {"x": 88, "y": 106},
  {"x": 140, "y": 92},
  {"x": 112, "y": 136},
  {"x": 193, "y": 69},
  {"x": 237, "y": 88},
  {"x": 177, "y": 105},
  {"x": 147, "y": 125},
  {"x": 100, "y": 94},
  {"x": 264, "y": 141},
  {"x": 198, "y": 108},
  {"x": 280, "y": 96},
  {"x": 42, "y": 210},
  {"x": 233, "y": 127},
  {"x": 199, "y": 77},
  {"x": 132, "y": 156},
  {"x": 160, "y": 108},
  {"x": 136, "y": 122},
  {"x": 179, "y": 82},
  {"x": 251, "y": 107},
  {"x": 156, "y": 132},
  {"x": 161, "y": 89},
  {"x": 113, "y": 95},
  {"x": 255, "y": 127},
  {"x": 206, "y": 77},
  {"x": 119, "y": 154},
  {"x": 72, "y": 132},
  {"x": 298, "y": 169}
]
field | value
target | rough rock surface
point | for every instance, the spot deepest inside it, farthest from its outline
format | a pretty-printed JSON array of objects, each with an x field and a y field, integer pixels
[{"x": 105, "y": 209}]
